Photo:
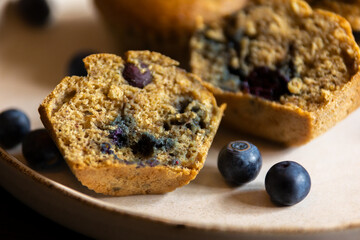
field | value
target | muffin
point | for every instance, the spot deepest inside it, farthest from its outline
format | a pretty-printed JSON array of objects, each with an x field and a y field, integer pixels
[
  {"x": 138, "y": 125},
  {"x": 287, "y": 72},
  {"x": 163, "y": 26},
  {"x": 349, "y": 9}
]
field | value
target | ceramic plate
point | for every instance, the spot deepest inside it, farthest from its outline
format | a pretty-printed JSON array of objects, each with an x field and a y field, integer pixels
[{"x": 33, "y": 61}]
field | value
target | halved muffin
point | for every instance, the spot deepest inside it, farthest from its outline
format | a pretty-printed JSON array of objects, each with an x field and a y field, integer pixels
[{"x": 138, "y": 125}]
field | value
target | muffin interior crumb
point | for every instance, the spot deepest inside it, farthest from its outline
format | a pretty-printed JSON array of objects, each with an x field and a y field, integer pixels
[
  {"x": 279, "y": 50},
  {"x": 102, "y": 119}
]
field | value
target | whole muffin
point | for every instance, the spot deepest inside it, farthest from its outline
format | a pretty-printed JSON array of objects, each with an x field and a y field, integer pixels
[
  {"x": 287, "y": 72},
  {"x": 159, "y": 25},
  {"x": 138, "y": 125}
]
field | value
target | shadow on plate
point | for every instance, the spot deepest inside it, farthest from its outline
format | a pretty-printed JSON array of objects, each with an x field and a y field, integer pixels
[
  {"x": 256, "y": 200},
  {"x": 210, "y": 177}
]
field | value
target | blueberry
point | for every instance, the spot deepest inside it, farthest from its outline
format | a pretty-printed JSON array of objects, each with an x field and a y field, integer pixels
[
  {"x": 14, "y": 125},
  {"x": 137, "y": 77},
  {"x": 119, "y": 137},
  {"x": 34, "y": 12},
  {"x": 146, "y": 144},
  {"x": 267, "y": 83},
  {"x": 239, "y": 162},
  {"x": 287, "y": 183},
  {"x": 76, "y": 65},
  {"x": 39, "y": 150}
]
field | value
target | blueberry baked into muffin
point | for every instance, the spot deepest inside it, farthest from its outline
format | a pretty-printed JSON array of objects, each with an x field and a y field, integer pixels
[
  {"x": 160, "y": 25},
  {"x": 287, "y": 72},
  {"x": 349, "y": 9},
  {"x": 138, "y": 125}
]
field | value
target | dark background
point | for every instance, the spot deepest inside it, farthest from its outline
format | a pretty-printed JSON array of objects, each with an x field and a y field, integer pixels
[{"x": 18, "y": 221}]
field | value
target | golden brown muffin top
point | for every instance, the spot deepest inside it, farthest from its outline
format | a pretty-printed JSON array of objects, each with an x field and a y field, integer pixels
[{"x": 166, "y": 16}]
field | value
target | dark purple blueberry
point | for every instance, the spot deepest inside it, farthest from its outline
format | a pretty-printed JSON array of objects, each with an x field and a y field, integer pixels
[
  {"x": 34, "y": 12},
  {"x": 146, "y": 144},
  {"x": 287, "y": 183},
  {"x": 267, "y": 83},
  {"x": 239, "y": 162},
  {"x": 119, "y": 137},
  {"x": 14, "y": 125},
  {"x": 76, "y": 65},
  {"x": 39, "y": 150},
  {"x": 137, "y": 77}
]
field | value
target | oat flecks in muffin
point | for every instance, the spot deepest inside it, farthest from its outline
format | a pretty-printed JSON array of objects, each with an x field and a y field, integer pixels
[
  {"x": 139, "y": 129},
  {"x": 300, "y": 59},
  {"x": 288, "y": 39}
]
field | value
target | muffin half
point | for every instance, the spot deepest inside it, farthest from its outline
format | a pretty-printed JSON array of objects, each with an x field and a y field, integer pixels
[
  {"x": 138, "y": 125},
  {"x": 287, "y": 72}
]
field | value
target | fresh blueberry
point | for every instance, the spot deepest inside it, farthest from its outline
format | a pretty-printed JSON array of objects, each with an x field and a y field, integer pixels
[
  {"x": 287, "y": 183},
  {"x": 14, "y": 125},
  {"x": 239, "y": 162},
  {"x": 137, "y": 77},
  {"x": 34, "y": 12},
  {"x": 76, "y": 65},
  {"x": 39, "y": 150}
]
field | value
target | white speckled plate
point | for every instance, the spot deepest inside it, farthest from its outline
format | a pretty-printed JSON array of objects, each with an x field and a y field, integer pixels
[{"x": 32, "y": 61}]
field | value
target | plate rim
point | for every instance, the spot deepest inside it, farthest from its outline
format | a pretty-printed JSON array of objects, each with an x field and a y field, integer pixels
[{"x": 82, "y": 198}]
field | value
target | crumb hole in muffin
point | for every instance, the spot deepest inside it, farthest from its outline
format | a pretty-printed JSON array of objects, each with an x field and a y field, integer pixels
[{"x": 65, "y": 98}]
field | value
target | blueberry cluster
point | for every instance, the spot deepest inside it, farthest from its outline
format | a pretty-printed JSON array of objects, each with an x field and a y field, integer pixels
[
  {"x": 37, "y": 146},
  {"x": 287, "y": 182},
  {"x": 147, "y": 144}
]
